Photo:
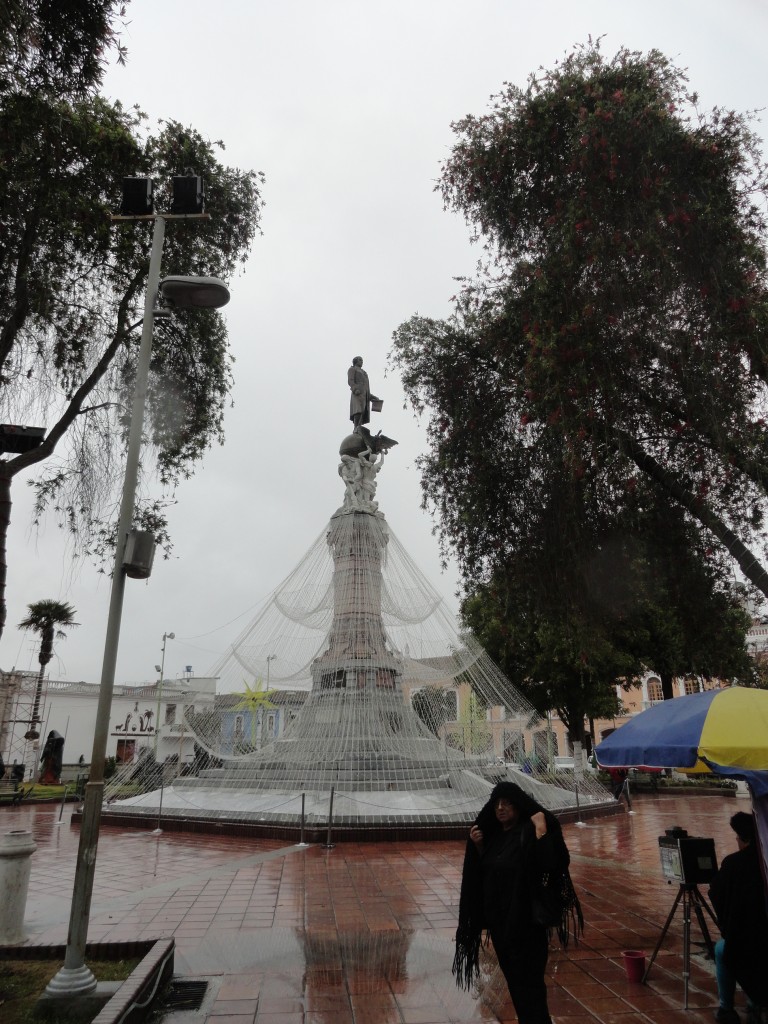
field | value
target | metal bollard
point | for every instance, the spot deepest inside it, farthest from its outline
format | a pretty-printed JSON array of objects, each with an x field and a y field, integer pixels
[
  {"x": 63, "y": 801},
  {"x": 328, "y": 844},
  {"x": 301, "y": 836},
  {"x": 16, "y": 849},
  {"x": 579, "y": 822}
]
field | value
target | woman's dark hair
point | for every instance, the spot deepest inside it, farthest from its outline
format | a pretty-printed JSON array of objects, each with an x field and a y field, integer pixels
[{"x": 743, "y": 824}]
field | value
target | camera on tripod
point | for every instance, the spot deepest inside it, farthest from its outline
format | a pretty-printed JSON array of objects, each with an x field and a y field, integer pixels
[{"x": 688, "y": 860}]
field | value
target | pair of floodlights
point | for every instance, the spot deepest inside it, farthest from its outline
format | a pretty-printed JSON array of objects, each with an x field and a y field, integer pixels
[{"x": 188, "y": 196}]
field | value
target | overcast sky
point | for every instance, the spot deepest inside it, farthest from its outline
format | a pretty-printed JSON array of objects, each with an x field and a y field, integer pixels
[{"x": 346, "y": 107}]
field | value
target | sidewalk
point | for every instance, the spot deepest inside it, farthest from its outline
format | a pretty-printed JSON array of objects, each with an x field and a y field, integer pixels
[{"x": 362, "y": 933}]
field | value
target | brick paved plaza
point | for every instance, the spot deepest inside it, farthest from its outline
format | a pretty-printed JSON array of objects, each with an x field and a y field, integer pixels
[{"x": 362, "y": 933}]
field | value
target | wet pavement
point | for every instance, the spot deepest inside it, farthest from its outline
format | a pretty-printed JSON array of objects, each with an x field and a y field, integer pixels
[{"x": 362, "y": 933}]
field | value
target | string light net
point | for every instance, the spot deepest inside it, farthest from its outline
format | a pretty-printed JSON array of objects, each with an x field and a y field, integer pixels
[{"x": 353, "y": 693}]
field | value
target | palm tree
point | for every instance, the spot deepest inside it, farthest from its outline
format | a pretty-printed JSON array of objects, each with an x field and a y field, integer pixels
[{"x": 43, "y": 618}]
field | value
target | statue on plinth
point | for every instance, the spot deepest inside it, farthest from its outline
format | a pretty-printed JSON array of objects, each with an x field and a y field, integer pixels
[
  {"x": 362, "y": 453},
  {"x": 360, "y": 398}
]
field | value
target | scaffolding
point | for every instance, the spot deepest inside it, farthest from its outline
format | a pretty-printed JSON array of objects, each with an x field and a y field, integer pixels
[{"x": 23, "y": 719}]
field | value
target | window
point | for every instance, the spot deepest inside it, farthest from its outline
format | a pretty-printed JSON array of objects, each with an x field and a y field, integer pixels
[
  {"x": 126, "y": 751},
  {"x": 654, "y": 690},
  {"x": 239, "y": 731},
  {"x": 692, "y": 685},
  {"x": 170, "y": 714},
  {"x": 333, "y": 680}
]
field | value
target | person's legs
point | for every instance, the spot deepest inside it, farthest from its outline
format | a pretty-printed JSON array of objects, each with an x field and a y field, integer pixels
[
  {"x": 726, "y": 987},
  {"x": 523, "y": 962}
]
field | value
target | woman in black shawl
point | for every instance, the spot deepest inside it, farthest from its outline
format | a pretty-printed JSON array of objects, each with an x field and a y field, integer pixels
[{"x": 516, "y": 885}]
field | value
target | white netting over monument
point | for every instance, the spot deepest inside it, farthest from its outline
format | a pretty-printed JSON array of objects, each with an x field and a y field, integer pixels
[{"x": 352, "y": 691}]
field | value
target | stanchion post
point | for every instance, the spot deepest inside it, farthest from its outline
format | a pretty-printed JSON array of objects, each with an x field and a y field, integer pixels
[
  {"x": 578, "y": 821},
  {"x": 328, "y": 844},
  {"x": 157, "y": 829},
  {"x": 63, "y": 801},
  {"x": 301, "y": 834}
]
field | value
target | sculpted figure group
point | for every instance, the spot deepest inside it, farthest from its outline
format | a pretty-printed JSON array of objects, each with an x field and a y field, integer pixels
[
  {"x": 359, "y": 471},
  {"x": 359, "y": 475}
]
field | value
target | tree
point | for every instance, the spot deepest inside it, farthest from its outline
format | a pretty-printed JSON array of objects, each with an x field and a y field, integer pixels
[
  {"x": 435, "y": 705},
  {"x": 613, "y": 346},
  {"x": 59, "y": 46},
  {"x": 644, "y": 598},
  {"x": 71, "y": 289},
  {"x": 472, "y": 734},
  {"x": 563, "y": 660},
  {"x": 44, "y": 618}
]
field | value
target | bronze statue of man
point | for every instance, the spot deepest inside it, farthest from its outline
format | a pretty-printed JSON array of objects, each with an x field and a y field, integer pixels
[{"x": 361, "y": 397}]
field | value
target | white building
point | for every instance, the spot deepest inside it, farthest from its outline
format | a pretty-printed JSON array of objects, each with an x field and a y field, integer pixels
[{"x": 70, "y": 709}]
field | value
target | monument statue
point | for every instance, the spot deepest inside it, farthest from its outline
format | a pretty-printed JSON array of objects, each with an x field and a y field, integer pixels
[
  {"x": 52, "y": 757},
  {"x": 362, "y": 453},
  {"x": 370, "y": 465},
  {"x": 350, "y": 472},
  {"x": 360, "y": 398},
  {"x": 359, "y": 476}
]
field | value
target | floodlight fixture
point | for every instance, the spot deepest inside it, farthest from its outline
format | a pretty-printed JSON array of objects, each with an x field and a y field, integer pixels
[
  {"x": 137, "y": 197},
  {"x": 188, "y": 194}
]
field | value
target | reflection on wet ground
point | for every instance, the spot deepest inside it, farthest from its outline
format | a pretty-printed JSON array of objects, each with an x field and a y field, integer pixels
[{"x": 362, "y": 933}]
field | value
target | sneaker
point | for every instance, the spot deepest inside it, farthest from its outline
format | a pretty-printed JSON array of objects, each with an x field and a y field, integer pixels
[{"x": 725, "y": 1016}]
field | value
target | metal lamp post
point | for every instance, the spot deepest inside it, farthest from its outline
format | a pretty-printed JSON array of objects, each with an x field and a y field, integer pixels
[
  {"x": 260, "y": 714},
  {"x": 166, "y": 636},
  {"x": 75, "y": 978}
]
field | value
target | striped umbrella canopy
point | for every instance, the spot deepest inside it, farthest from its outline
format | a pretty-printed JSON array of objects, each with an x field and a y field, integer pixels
[{"x": 725, "y": 729}]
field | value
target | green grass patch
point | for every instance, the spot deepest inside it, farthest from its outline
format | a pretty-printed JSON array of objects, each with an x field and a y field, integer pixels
[{"x": 22, "y": 982}]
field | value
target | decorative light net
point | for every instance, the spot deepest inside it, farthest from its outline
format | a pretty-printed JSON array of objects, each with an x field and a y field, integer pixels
[{"x": 353, "y": 694}]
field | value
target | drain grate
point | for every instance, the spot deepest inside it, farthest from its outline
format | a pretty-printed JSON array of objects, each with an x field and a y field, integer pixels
[{"x": 183, "y": 995}]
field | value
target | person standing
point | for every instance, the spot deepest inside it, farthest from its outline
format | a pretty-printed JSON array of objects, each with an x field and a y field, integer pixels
[
  {"x": 515, "y": 856},
  {"x": 739, "y": 897}
]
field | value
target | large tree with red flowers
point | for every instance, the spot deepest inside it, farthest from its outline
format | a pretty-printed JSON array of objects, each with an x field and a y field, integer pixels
[{"x": 612, "y": 347}]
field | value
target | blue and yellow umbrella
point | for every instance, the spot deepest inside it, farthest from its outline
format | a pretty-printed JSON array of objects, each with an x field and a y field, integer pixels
[{"x": 726, "y": 730}]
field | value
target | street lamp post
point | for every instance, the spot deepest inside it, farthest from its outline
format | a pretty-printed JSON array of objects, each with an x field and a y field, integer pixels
[
  {"x": 166, "y": 636},
  {"x": 260, "y": 712},
  {"x": 75, "y": 978}
]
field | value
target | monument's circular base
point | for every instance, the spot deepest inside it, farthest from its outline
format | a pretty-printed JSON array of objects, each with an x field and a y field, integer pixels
[{"x": 401, "y": 830}]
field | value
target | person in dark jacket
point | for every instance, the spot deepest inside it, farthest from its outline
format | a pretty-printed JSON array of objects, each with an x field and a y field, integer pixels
[
  {"x": 515, "y": 884},
  {"x": 739, "y": 898}
]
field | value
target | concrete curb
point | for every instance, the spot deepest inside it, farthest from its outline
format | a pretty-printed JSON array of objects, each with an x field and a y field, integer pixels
[{"x": 130, "y": 1002}]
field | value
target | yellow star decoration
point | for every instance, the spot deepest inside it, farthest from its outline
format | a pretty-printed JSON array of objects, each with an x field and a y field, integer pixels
[{"x": 255, "y": 699}]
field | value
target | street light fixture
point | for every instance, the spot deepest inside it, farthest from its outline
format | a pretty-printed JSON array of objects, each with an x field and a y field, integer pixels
[
  {"x": 75, "y": 978},
  {"x": 161, "y": 668}
]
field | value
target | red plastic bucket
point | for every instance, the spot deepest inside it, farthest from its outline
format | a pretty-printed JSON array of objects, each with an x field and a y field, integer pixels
[{"x": 634, "y": 964}]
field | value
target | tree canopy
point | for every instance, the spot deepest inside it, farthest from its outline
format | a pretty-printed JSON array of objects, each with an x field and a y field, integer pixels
[
  {"x": 58, "y": 45},
  {"x": 72, "y": 285},
  {"x": 601, "y": 383},
  {"x": 616, "y": 329},
  {"x": 642, "y": 599}
]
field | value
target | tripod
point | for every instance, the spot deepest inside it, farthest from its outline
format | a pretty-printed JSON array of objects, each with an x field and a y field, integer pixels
[{"x": 691, "y": 898}]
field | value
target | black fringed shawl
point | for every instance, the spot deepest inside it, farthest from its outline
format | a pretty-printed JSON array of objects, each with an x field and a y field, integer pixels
[{"x": 471, "y": 923}]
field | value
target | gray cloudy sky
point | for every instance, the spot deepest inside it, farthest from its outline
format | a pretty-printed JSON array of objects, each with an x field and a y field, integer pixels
[{"x": 346, "y": 106}]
